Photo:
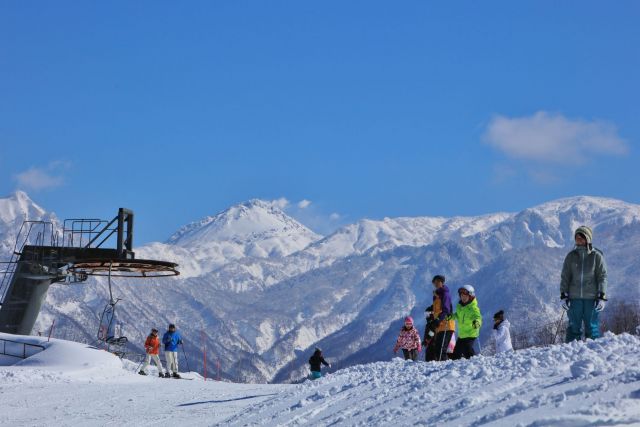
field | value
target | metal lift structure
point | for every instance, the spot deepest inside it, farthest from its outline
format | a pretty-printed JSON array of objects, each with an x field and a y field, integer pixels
[{"x": 43, "y": 256}]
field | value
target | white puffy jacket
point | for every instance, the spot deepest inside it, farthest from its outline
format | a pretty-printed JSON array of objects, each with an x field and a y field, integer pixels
[{"x": 502, "y": 337}]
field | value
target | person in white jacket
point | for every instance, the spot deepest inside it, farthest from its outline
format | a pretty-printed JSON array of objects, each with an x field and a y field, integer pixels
[{"x": 501, "y": 333}]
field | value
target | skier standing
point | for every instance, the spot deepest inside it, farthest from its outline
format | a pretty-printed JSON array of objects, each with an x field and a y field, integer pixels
[
  {"x": 583, "y": 286},
  {"x": 316, "y": 361},
  {"x": 152, "y": 348},
  {"x": 501, "y": 333},
  {"x": 408, "y": 340},
  {"x": 171, "y": 339},
  {"x": 469, "y": 321},
  {"x": 440, "y": 326}
]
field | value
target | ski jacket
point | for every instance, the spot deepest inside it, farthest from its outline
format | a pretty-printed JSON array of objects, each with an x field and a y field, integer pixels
[
  {"x": 171, "y": 340},
  {"x": 408, "y": 339},
  {"x": 502, "y": 336},
  {"x": 442, "y": 308},
  {"x": 469, "y": 319},
  {"x": 316, "y": 360},
  {"x": 152, "y": 345},
  {"x": 584, "y": 273}
]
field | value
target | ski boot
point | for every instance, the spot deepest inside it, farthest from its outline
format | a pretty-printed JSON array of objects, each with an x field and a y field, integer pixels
[
  {"x": 167, "y": 375},
  {"x": 160, "y": 374},
  {"x": 176, "y": 375},
  {"x": 142, "y": 373}
]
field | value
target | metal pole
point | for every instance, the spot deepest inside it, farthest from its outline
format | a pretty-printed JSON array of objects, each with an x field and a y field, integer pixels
[
  {"x": 51, "y": 330},
  {"x": 185, "y": 357}
]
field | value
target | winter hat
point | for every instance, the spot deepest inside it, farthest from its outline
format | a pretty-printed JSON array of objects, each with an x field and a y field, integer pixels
[
  {"x": 499, "y": 315},
  {"x": 586, "y": 232},
  {"x": 438, "y": 277},
  {"x": 469, "y": 289},
  {"x": 172, "y": 326},
  {"x": 154, "y": 330},
  {"x": 408, "y": 319}
]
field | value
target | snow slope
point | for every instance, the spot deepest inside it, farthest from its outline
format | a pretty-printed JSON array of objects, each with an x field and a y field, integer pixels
[{"x": 578, "y": 384}]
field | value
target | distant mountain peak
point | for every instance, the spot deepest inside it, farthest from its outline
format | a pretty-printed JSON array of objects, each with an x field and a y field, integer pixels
[
  {"x": 247, "y": 222},
  {"x": 18, "y": 206}
]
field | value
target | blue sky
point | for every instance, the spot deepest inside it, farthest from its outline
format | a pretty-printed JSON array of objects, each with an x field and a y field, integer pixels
[{"x": 178, "y": 110}]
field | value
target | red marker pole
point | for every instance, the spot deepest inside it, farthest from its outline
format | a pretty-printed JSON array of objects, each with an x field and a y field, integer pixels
[{"x": 204, "y": 356}]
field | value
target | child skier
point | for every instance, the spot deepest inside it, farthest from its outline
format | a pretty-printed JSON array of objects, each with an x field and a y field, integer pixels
[
  {"x": 501, "y": 333},
  {"x": 469, "y": 320},
  {"x": 315, "y": 361},
  {"x": 408, "y": 340},
  {"x": 152, "y": 347}
]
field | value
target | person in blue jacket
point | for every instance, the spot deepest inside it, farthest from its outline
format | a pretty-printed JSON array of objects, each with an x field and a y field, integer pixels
[{"x": 171, "y": 339}]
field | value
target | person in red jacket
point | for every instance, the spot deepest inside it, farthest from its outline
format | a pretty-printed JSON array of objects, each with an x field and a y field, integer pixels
[
  {"x": 408, "y": 340},
  {"x": 152, "y": 347}
]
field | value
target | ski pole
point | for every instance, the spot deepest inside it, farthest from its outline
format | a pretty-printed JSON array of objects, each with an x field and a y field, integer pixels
[
  {"x": 185, "y": 357},
  {"x": 555, "y": 336},
  {"x": 140, "y": 364},
  {"x": 442, "y": 346}
]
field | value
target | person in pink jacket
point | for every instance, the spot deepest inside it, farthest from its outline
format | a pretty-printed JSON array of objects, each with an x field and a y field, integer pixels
[{"x": 408, "y": 340}]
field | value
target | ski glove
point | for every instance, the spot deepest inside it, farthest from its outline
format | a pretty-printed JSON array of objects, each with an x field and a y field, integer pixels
[
  {"x": 566, "y": 302},
  {"x": 476, "y": 324},
  {"x": 600, "y": 305}
]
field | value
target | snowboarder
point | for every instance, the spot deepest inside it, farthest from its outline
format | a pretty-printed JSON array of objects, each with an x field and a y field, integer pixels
[
  {"x": 152, "y": 348},
  {"x": 469, "y": 321},
  {"x": 316, "y": 361},
  {"x": 501, "y": 333},
  {"x": 171, "y": 339},
  {"x": 583, "y": 286},
  {"x": 439, "y": 329},
  {"x": 408, "y": 340}
]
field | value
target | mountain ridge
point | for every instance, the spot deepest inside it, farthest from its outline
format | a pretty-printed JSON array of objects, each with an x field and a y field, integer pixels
[{"x": 257, "y": 310}]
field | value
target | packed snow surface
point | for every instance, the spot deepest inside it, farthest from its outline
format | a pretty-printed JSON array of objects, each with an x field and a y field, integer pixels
[{"x": 582, "y": 383}]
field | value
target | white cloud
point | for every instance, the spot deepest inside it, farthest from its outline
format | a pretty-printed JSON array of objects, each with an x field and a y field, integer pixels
[
  {"x": 303, "y": 204},
  {"x": 280, "y": 203},
  {"x": 311, "y": 215},
  {"x": 36, "y": 178},
  {"x": 553, "y": 138}
]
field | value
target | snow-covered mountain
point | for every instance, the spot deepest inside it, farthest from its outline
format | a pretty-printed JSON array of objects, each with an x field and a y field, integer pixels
[
  {"x": 261, "y": 289},
  {"x": 14, "y": 210},
  {"x": 254, "y": 229}
]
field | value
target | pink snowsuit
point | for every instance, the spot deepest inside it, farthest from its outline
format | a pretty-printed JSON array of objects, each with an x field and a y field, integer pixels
[{"x": 408, "y": 339}]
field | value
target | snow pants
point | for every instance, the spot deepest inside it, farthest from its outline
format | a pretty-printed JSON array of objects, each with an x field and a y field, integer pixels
[
  {"x": 156, "y": 360},
  {"x": 410, "y": 354},
  {"x": 315, "y": 375},
  {"x": 583, "y": 312},
  {"x": 438, "y": 346},
  {"x": 464, "y": 348},
  {"x": 172, "y": 361}
]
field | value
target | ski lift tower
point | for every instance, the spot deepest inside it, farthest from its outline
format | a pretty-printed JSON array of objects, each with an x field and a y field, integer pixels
[{"x": 42, "y": 256}]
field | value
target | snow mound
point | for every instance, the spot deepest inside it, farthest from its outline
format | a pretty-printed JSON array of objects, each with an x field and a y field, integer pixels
[
  {"x": 60, "y": 359},
  {"x": 593, "y": 382}
]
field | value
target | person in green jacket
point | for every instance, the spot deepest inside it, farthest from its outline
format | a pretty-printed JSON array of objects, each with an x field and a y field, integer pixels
[
  {"x": 583, "y": 286},
  {"x": 469, "y": 320}
]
